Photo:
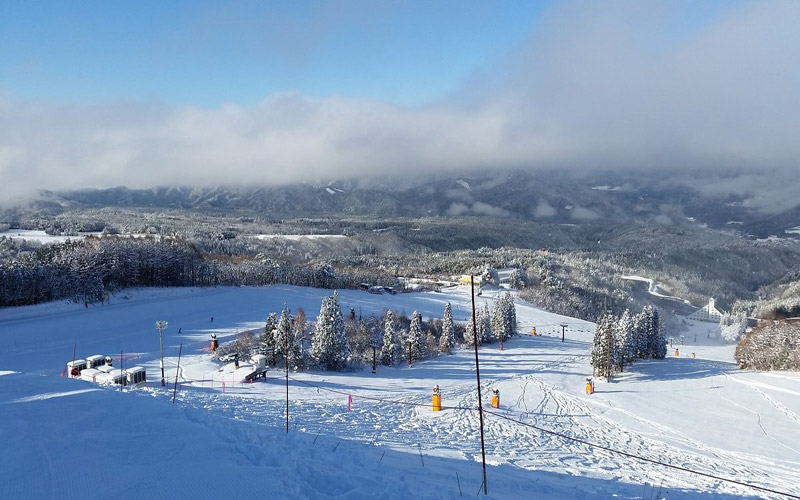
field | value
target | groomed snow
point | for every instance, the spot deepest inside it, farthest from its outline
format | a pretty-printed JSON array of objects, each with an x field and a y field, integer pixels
[{"x": 74, "y": 439}]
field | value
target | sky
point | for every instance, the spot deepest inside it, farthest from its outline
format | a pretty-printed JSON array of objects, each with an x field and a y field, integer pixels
[{"x": 100, "y": 94}]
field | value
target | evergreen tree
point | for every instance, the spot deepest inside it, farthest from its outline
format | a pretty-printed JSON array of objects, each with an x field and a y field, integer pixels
[
  {"x": 329, "y": 345},
  {"x": 602, "y": 345},
  {"x": 389, "y": 348},
  {"x": 640, "y": 322},
  {"x": 415, "y": 337},
  {"x": 448, "y": 339},
  {"x": 266, "y": 344},
  {"x": 282, "y": 333},
  {"x": 656, "y": 338},
  {"x": 626, "y": 340},
  {"x": 485, "y": 324},
  {"x": 510, "y": 314},
  {"x": 300, "y": 332},
  {"x": 499, "y": 319},
  {"x": 470, "y": 334}
]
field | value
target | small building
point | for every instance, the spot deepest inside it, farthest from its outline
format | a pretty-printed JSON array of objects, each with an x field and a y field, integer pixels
[
  {"x": 136, "y": 375},
  {"x": 465, "y": 280},
  {"x": 707, "y": 313},
  {"x": 74, "y": 368},
  {"x": 89, "y": 374},
  {"x": 95, "y": 361}
]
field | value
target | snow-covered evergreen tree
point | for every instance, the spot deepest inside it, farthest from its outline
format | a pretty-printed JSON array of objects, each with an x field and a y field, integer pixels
[
  {"x": 656, "y": 340},
  {"x": 282, "y": 334},
  {"x": 329, "y": 345},
  {"x": 511, "y": 314},
  {"x": 602, "y": 345},
  {"x": 389, "y": 349},
  {"x": 640, "y": 322},
  {"x": 500, "y": 328},
  {"x": 485, "y": 324},
  {"x": 415, "y": 337},
  {"x": 300, "y": 332},
  {"x": 448, "y": 339},
  {"x": 470, "y": 333},
  {"x": 266, "y": 344},
  {"x": 626, "y": 340}
]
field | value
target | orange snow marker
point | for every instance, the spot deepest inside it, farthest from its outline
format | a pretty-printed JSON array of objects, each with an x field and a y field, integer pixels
[
  {"x": 533, "y": 331},
  {"x": 496, "y": 398},
  {"x": 437, "y": 399},
  {"x": 676, "y": 353},
  {"x": 589, "y": 386}
]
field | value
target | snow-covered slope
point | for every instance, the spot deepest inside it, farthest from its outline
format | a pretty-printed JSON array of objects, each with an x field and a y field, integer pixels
[{"x": 64, "y": 438}]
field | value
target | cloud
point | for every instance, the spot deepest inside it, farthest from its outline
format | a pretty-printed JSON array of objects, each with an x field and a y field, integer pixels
[
  {"x": 612, "y": 86},
  {"x": 481, "y": 208},
  {"x": 584, "y": 214},
  {"x": 543, "y": 210}
]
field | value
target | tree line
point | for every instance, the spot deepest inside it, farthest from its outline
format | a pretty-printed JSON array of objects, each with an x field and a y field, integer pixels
[
  {"x": 337, "y": 342},
  {"x": 770, "y": 345},
  {"x": 621, "y": 340},
  {"x": 87, "y": 270}
]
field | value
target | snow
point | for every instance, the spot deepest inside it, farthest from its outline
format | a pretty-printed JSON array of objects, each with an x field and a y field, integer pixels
[
  {"x": 297, "y": 237},
  {"x": 41, "y": 236},
  {"x": 793, "y": 230},
  {"x": 330, "y": 191},
  {"x": 655, "y": 289},
  {"x": 702, "y": 414}
]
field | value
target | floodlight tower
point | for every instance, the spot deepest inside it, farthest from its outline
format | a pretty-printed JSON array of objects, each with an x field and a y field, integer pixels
[{"x": 161, "y": 326}]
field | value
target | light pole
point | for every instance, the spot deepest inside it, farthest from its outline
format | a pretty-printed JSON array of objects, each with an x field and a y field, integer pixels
[{"x": 161, "y": 326}]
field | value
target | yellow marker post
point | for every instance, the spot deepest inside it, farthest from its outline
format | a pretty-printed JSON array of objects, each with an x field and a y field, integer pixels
[
  {"x": 533, "y": 331},
  {"x": 676, "y": 353},
  {"x": 589, "y": 386},
  {"x": 437, "y": 399},
  {"x": 496, "y": 398}
]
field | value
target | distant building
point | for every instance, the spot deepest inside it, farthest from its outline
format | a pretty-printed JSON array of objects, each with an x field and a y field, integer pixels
[
  {"x": 707, "y": 313},
  {"x": 465, "y": 280}
]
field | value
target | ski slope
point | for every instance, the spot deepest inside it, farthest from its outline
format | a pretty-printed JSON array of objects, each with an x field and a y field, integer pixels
[{"x": 64, "y": 438}]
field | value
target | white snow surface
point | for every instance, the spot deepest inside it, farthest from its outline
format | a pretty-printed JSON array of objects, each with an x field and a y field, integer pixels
[
  {"x": 65, "y": 438},
  {"x": 654, "y": 288},
  {"x": 41, "y": 236},
  {"x": 296, "y": 237}
]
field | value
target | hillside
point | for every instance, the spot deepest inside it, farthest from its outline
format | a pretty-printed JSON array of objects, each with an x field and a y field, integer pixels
[{"x": 697, "y": 414}]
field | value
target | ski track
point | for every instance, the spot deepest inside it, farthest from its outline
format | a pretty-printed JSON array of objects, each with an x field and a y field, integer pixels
[{"x": 415, "y": 429}]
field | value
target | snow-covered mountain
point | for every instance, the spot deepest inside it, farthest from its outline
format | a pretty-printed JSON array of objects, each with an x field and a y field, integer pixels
[{"x": 547, "y": 197}]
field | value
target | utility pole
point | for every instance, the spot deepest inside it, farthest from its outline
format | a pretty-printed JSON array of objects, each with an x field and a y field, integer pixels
[
  {"x": 563, "y": 328},
  {"x": 161, "y": 326},
  {"x": 177, "y": 372},
  {"x": 287, "y": 381},
  {"x": 478, "y": 375}
]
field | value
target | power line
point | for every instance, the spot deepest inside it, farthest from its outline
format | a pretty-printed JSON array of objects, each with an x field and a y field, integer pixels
[{"x": 644, "y": 459}]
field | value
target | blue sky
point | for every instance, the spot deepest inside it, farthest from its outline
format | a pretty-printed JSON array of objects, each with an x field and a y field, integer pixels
[
  {"x": 207, "y": 53},
  {"x": 145, "y": 93}
]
